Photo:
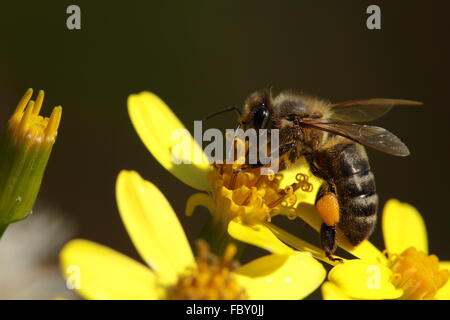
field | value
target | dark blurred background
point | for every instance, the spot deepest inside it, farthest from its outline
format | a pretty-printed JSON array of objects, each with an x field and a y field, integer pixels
[{"x": 201, "y": 56}]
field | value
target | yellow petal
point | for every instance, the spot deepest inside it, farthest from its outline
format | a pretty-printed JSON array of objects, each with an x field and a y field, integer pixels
[
  {"x": 153, "y": 226},
  {"x": 362, "y": 279},
  {"x": 365, "y": 250},
  {"x": 102, "y": 273},
  {"x": 298, "y": 243},
  {"x": 332, "y": 292},
  {"x": 257, "y": 235},
  {"x": 403, "y": 227},
  {"x": 289, "y": 176},
  {"x": 167, "y": 139},
  {"x": 308, "y": 213},
  {"x": 200, "y": 199},
  {"x": 281, "y": 277},
  {"x": 444, "y": 292}
]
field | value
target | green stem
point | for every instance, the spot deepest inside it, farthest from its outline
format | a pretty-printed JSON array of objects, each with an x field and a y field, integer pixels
[
  {"x": 2, "y": 229},
  {"x": 216, "y": 234}
]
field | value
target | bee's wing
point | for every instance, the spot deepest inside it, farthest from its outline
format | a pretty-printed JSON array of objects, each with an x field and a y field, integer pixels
[
  {"x": 370, "y": 136},
  {"x": 366, "y": 110}
]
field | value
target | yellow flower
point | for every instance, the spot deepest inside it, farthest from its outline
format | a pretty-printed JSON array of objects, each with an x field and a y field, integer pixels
[
  {"x": 239, "y": 203},
  {"x": 25, "y": 148},
  {"x": 173, "y": 271},
  {"x": 408, "y": 272},
  {"x": 246, "y": 197}
]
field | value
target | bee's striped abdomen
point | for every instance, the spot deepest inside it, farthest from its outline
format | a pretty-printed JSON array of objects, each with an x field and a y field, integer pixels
[{"x": 347, "y": 166}]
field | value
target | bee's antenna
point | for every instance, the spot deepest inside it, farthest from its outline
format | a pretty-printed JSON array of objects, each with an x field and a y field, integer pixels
[{"x": 223, "y": 111}]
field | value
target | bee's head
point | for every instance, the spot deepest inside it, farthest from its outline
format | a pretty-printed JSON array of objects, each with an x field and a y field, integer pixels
[{"x": 257, "y": 110}]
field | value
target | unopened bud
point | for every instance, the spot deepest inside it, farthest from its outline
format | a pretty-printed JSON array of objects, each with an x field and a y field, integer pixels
[{"x": 25, "y": 148}]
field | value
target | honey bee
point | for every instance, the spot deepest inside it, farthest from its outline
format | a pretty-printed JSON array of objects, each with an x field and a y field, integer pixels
[{"x": 327, "y": 136}]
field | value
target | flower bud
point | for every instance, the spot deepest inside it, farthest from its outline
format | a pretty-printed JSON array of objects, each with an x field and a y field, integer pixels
[{"x": 25, "y": 148}]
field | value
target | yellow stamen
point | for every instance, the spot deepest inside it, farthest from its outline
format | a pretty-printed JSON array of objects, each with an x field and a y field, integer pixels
[
  {"x": 252, "y": 197},
  {"x": 24, "y": 101},
  {"x": 26, "y": 121},
  {"x": 417, "y": 274},
  {"x": 39, "y": 101},
  {"x": 53, "y": 123},
  {"x": 212, "y": 279}
]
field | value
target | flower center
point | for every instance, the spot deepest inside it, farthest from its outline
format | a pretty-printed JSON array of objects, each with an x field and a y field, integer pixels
[
  {"x": 212, "y": 279},
  {"x": 252, "y": 197},
  {"x": 417, "y": 274}
]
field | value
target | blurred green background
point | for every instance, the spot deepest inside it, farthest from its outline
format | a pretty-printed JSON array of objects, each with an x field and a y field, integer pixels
[{"x": 201, "y": 56}]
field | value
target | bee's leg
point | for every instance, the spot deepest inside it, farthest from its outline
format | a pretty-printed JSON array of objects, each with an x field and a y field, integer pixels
[
  {"x": 328, "y": 241},
  {"x": 328, "y": 207},
  {"x": 315, "y": 171},
  {"x": 287, "y": 147},
  {"x": 245, "y": 167}
]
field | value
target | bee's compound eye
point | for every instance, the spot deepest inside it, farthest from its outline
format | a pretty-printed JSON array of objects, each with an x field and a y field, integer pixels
[{"x": 260, "y": 117}]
